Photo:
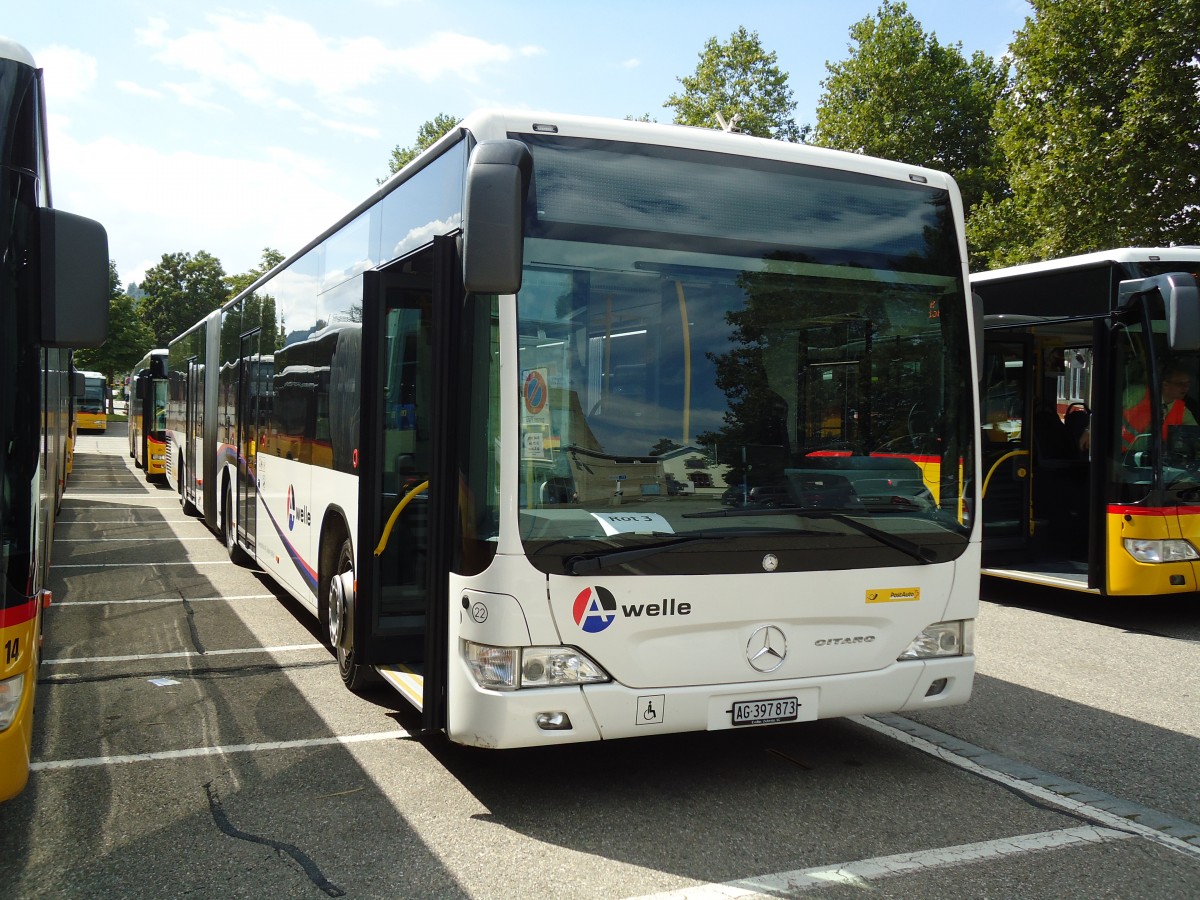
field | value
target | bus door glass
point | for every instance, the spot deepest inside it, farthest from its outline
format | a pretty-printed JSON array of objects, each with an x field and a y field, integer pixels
[
  {"x": 1006, "y": 439},
  {"x": 395, "y": 581},
  {"x": 193, "y": 427},
  {"x": 251, "y": 423}
]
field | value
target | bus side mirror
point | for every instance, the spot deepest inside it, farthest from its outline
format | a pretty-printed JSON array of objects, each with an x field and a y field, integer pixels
[
  {"x": 493, "y": 208},
  {"x": 1181, "y": 302},
  {"x": 74, "y": 279},
  {"x": 1183, "y": 311}
]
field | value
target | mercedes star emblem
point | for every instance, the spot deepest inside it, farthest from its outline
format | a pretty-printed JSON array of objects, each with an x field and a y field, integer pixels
[{"x": 766, "y": 649}]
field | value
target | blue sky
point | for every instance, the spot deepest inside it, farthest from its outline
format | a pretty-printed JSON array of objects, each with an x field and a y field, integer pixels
[{"x": 186, "y": 126}]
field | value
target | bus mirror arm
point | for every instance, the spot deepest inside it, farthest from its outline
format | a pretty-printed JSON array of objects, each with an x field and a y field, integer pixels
[
  {"x": 1181, "y": 302},
  {"x": 497, "y": 182},
  {"x": 74, "y": 279}
]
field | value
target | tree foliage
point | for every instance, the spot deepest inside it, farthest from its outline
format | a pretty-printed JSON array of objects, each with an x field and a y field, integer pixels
[
  {"x": 427, "y": 135},
  {"x": 902, "y": 95},
  {"x": 180, "y": 291},
  {"x": 129, "y": 338},
  {"x": 238, "y": 283},
  {"x": 738, "y": 82},
  {"x": 1098, "y": 131}
]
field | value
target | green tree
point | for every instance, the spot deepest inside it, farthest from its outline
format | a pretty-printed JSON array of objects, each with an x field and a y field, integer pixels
[
  {"x": 737, "y": 85},
  {"x": 129, "y": 338},
  {"x": 180, "y": 291},
  {"x": 902, "y": 95},
  {"x": 427, "y": 135},
  {"x": 238, "y": 283},
  {"x": 1098, "y": 131}
]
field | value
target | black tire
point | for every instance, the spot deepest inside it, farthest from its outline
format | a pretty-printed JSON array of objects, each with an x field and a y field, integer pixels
[{"x": 339, "y": 619}]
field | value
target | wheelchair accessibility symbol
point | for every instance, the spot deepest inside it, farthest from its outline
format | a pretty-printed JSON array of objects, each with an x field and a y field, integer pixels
[{"x": 651, "y": 709}]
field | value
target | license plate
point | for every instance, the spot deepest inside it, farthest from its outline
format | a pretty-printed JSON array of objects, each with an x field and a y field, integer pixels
[{"x": 765, "y": 712}]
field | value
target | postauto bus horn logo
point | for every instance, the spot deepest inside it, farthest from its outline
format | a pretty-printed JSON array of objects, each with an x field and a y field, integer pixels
[{"x": 595, "y": 609}]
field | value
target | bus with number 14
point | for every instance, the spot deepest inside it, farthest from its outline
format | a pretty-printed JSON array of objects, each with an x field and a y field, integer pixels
[{"x": 53, "y": 296}]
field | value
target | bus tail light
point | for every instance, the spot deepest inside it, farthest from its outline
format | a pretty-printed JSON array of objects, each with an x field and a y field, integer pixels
[
  {"x": 511, "y": 668},
  {"x": 11, "y": 690},
  {"x": 942, "y": 639},
  {"x": 1160, "y": 551}
]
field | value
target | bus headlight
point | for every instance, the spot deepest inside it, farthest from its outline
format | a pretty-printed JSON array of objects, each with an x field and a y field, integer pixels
[
  {"x": 942, "y": 639},
  {"x": 511, "y": 668},
  {"x": 11, "y": 691},
  {"x": 1162, "y": 551}
]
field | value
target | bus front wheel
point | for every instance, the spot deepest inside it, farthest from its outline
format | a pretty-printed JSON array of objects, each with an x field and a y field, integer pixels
[{"x": 339, "y": 612}]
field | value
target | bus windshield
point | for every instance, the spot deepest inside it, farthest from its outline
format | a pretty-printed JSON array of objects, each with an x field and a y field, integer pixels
[
  {"x": 1159, "y": 389},
  {"x": 766, "y": 355}
]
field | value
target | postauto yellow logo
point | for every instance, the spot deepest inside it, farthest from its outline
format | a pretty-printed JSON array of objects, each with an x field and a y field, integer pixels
[{"x": 893, "y": 595}]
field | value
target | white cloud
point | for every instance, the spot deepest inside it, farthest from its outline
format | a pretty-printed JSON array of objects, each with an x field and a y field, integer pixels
[
  {"x": 153, "y": 202},
  {"x": 130, "y": 87},
  {"x": 69, "y": 73},
  {"x": 261, "y": 57},
  {"x": 631, "y": 64}
]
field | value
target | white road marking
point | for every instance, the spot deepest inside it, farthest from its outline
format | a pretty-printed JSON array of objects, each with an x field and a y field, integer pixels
[
  {"x": 47, "y": 765},
  {"x": 1076, "y": 807},
  {"x": 60, "y": 605},
  {"x": 858, "y": 874},
  {"x": 181, "y": 654},
  {"x": 142, "y": 565},
  {"x": 137, "y": 540}
]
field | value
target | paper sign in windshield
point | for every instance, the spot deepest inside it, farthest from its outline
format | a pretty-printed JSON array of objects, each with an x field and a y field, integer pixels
[{"x": 636, "y": 523}]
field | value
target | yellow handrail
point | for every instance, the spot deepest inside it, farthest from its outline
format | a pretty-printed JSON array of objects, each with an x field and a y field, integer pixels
[
  {"x": 996, "y": 465},
  {"x": 391, "y": 522}
]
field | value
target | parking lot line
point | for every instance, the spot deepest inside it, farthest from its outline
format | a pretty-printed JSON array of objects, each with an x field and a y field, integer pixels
[
  {"x": 194, "y": 562},
  {"x": 190, "y": 752},
  {"x": 180, "y": 654},
  {"x": 60, "y": 604},
  {"x": 1131, "y": 818},
  {"x": 861, "y": 872},
  {"x": 132, "y": 540}
]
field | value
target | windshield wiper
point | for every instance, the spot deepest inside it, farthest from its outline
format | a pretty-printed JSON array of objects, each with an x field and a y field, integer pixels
[
  {"x": 754, "y": 511},
  {"x": 921, "y": 554},
  {"x": 588, "y": 562},
  {"x": 904, "y": 545}
]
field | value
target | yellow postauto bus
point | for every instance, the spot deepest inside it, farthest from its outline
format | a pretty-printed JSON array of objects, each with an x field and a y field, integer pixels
[
  {"x": 56, "y": 300},
  {"x": 1090, "y": 403},
  {"x": 91, "y": 411},
  {"x": 148, "y": 413}
]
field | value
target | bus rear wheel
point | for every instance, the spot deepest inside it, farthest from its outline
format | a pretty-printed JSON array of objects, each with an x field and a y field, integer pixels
[{"x": 339, "y": 613}]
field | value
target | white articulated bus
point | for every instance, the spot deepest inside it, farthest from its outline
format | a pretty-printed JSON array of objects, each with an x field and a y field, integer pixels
[{"x": 583, "y": 429}]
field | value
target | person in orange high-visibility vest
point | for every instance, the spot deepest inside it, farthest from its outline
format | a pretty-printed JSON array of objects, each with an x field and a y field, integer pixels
[{"x": 1136, "y": 417}]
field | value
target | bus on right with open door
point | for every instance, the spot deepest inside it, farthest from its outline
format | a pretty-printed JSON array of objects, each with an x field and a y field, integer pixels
[{"x": 1090, "y": 404}]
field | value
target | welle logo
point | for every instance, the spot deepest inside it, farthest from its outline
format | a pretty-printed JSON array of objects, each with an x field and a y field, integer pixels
[{"x": 596, "y": 608}]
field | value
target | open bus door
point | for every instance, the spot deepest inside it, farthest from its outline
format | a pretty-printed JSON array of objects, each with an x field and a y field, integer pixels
[
  {"x": 250, "y": 426},
  {"x": 408, "y": 482},
  {"x": 1006, "y": 394}
]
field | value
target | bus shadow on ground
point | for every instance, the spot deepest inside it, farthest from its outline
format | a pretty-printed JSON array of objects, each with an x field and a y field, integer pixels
[{"x": 123, "y": 678}]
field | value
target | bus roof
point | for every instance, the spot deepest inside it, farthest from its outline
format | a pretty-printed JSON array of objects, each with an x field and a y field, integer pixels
[
  {"x": 499, "y": 123},
  {"x": 12, "y": 50},
  {"x": 1084, "y": 260}
]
